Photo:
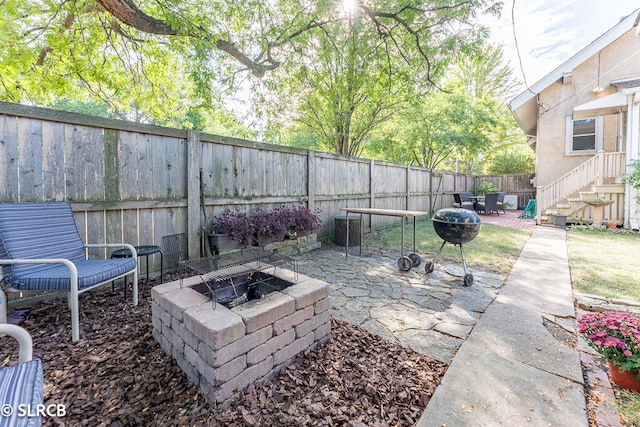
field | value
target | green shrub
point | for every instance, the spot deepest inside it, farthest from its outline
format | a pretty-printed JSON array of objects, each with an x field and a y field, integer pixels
[{"x": 484, "y": 188}]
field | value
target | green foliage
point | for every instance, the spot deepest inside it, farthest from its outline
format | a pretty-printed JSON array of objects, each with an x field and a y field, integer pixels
[
  {"x": 633, "y": 179},
  {"x": 343, "y": 82},
  {"x": 460, "y": 126},
  {"x": 173, "y": 62},
  {"x": 512, "y": 161},
  {"x": 484, "y": 188}
]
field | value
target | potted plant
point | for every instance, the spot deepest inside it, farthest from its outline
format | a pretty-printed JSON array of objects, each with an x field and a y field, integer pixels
[
  {"x": 616, "y": 337},
  {"x": 300, "y": 220},
  {"x": 269, "y": 226},
  {"x": 231, "y": 230},
  {"x": 484, "y": 188}
]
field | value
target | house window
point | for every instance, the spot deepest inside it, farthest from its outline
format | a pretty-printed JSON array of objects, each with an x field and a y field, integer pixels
[{"x": 584, "y": 136}]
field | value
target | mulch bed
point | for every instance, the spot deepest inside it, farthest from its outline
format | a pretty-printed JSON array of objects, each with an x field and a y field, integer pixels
[{"x": 117, "y": 375}]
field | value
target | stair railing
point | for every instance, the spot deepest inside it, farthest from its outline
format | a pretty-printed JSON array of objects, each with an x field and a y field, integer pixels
[{"x": 591, "y": 172}]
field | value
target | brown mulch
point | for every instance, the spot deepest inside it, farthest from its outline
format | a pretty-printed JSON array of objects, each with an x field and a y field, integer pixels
[{"x": 117, "y": 375}]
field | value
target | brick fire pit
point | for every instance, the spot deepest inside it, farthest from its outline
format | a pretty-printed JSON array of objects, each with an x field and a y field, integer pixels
[{"x": 224, "y": 350}]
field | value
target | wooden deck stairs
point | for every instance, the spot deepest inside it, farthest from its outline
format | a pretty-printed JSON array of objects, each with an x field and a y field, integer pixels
[{"x": 596, "y": 178}]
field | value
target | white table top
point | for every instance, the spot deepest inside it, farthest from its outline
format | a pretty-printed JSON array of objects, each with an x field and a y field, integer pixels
[{"x": 387, "y": 212}]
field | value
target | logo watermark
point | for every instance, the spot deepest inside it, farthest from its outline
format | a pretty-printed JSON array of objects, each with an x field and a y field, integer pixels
[{"x": 23, "y": 410}]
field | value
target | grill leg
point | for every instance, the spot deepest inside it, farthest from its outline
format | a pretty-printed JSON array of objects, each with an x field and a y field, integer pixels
[
  {"x": 430, "y": 265},
  {"x": 464, "y": 261},
  {"x": 468, "y": 277}
]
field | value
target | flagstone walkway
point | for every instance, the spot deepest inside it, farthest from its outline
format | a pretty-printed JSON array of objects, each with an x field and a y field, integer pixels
[{"x": 432, "y": 314}]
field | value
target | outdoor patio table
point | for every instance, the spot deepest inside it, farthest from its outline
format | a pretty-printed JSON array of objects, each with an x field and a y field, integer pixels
[
  {"x": 475, "y": 200},
  {"x": 404, "y": 262},
  {"x": 142, "y": 251}
]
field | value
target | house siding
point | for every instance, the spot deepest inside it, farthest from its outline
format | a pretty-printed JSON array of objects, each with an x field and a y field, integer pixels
[{"x": 619, "y": 60}]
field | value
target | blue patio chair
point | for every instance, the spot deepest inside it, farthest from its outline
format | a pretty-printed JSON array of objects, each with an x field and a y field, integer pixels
[
  {"x": 21, "y": 385},
  {"x": 41, "y": 250},
  {"x": 464, "y": 203}
]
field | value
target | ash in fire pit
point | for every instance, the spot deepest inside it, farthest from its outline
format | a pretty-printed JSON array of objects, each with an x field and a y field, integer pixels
[{"x": 240, "y": 289}]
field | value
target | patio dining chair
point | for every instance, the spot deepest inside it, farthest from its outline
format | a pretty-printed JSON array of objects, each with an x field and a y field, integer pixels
[
  {"x": 501, "y": 196},
  {"x": 460, "y": 202},
  {"x": 489, "y": 204},
  {"x": 41, "y": 250}
]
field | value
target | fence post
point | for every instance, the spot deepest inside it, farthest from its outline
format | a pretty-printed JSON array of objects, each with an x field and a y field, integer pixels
[
  {"x": 194, "y": 213},
  {"x": 311, "y": 180}
]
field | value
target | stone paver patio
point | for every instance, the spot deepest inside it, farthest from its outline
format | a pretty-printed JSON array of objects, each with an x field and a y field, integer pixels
[{"x": 430, "y": 313}]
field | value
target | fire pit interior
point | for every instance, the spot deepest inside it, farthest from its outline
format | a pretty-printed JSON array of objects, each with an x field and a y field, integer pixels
[
  {"x": 240, "y": 289},
  {"x": 266, "y": 316},
  {"x": 236, "y": 278}
]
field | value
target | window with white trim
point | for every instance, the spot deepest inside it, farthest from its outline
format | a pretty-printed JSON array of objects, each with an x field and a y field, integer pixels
[{"x": 584, "y": 136}]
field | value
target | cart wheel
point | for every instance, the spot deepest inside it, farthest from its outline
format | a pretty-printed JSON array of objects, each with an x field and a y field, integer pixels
[
  {"x": 428, "y": 266},
  {"x": 468, "y": 279},
  {"x": 415, "y": 260},
  {"x": 404, "y": 263}
]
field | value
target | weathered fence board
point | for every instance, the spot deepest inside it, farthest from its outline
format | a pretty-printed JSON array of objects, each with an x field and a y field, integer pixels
[
  {"x": 9, "y": 158},
  {"x": 136, "y": 183}
]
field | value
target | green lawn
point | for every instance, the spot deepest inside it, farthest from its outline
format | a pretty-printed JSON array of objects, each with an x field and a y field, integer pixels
[
  {"x": 602, "y": 262},
  {"x": 494, "y": 249},
  {"x": 605, "y": 263}
]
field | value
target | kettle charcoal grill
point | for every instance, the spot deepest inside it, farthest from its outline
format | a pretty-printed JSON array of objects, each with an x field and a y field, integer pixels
[{"x": 456, "y": 226}]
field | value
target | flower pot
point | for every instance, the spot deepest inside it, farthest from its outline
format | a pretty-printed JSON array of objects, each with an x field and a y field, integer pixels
[
  {"x": 223, "y": 242},
  {"x": 560, "y": 220},
  {"x": 627, "y": 380},
  {"x": 611, "y": 225},
  {"x": 264, "y": 239}
]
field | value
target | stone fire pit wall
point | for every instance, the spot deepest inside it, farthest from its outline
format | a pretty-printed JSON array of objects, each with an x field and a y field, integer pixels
[{"x": 224, "y": 350}]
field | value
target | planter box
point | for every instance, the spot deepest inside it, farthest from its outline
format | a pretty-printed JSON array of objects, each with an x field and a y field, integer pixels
[
  {"x": 222, "y": 243},
  {"x": 560, "y": 220}
]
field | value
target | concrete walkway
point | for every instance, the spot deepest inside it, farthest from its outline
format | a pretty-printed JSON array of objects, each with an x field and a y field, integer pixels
[
  {"x": 502, "y": 337},
  {"x": 514, "y": 369}
]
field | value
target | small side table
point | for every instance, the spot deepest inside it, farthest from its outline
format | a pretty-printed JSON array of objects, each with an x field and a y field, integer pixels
[{"x": 144, "y": 251}]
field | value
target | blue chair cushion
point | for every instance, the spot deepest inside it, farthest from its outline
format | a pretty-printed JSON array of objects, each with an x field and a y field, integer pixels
[
  {"x": 56, "y": 277},
  {"x": 22, "y": 384}
]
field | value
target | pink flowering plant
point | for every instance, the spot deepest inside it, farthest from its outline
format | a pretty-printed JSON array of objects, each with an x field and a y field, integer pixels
[{"x": 616, "y": 336}]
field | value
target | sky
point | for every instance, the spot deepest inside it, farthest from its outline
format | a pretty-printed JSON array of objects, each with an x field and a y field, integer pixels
[{"x": 549, "y": 32}]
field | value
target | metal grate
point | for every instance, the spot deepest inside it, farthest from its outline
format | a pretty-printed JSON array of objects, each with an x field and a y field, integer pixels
[
  {"x": 228, "y": 269},
  {"x": 175, "y": 249}
]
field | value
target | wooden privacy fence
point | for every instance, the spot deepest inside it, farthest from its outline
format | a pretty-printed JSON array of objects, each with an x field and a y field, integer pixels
[{"x": 136, "y": 183}]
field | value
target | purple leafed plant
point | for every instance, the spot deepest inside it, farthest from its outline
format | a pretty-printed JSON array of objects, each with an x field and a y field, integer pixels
[
  {"x": 299, "y": 219},
  {"x": 239, "y": 225},
  {"x": 269, "y": 224}
]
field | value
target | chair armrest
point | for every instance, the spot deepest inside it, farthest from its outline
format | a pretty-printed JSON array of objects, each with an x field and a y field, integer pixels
[
  {"x": 134, "y": 254},
  {"x": 73, "y": 271},
  {"x": 24, "y": 340}
]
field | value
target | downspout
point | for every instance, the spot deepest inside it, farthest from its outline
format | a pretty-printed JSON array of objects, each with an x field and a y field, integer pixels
[{"x": 633, "y": 128}]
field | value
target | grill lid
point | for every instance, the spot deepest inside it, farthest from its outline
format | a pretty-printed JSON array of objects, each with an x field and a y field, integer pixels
[{"x": 456, "y": 216}]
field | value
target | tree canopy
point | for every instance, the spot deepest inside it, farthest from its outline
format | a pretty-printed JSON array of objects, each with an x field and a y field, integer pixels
[
  {"x": 461, "y": 127},
  {"x": 162, "y": 58}
]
